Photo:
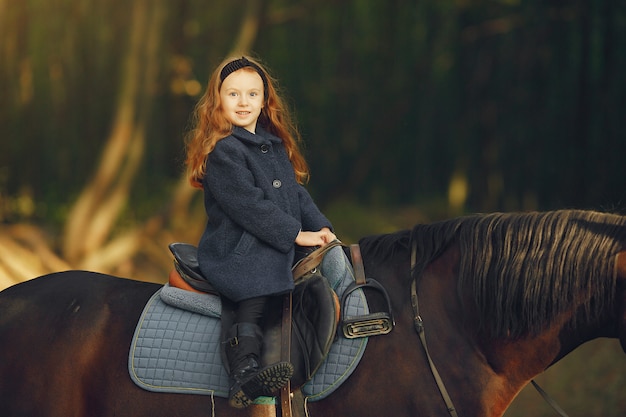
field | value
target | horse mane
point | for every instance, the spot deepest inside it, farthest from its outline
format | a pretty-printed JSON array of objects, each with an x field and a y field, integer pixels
[
  {"x": 522, "y": 270},
  {"x": 383, "y": 247}
]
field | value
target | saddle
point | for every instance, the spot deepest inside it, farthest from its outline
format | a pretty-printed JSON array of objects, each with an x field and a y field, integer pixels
[{"x": 301, "y": 326}]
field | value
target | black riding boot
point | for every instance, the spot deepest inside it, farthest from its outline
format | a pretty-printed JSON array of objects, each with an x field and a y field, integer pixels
[{"x": 247, "y": 379}]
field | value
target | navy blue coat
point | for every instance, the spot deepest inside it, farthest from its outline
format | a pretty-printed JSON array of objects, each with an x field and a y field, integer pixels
[{"x": 255, "y": 210}]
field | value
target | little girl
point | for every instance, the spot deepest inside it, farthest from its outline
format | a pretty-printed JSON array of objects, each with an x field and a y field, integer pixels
[{"x": 243, "y": 152}]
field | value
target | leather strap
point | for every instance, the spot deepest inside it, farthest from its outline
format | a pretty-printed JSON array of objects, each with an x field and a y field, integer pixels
[
  {"x": 313, "y": 260},
  {"x": 357, "y": 264},
  {"x": 285, "y": 353},
  {"x": 299, "y": 404},
  {"x": 419, "y": 328},
  {"x": 549, "y": 399},
  {"x": 300, "y": 269}
]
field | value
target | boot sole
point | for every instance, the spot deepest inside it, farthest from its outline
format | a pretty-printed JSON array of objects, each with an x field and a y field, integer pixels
[{"x": 265, "y": 383}]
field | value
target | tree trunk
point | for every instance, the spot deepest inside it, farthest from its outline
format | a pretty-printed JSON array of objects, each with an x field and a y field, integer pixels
[{"x": 94, "y": 214}]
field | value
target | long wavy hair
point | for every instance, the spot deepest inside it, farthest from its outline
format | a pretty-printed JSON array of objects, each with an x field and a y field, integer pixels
[{"x": 210, "y": 125}]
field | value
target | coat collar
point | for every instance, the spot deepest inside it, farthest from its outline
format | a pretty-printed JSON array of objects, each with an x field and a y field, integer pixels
[{"x": 260, "y": 137}]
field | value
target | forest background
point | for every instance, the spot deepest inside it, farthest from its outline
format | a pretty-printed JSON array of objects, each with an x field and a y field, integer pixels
[{"x": 411, "y": 111}]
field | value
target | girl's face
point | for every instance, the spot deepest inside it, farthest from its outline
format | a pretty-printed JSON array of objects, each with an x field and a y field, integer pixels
[{"x": 241, "y": 97}]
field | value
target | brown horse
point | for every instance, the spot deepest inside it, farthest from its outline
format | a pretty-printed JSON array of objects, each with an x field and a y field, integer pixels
[{"x": 502, "y": 297}]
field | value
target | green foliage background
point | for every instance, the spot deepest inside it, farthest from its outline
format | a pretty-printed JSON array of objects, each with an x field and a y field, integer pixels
[{"x": 524, "y": 101}]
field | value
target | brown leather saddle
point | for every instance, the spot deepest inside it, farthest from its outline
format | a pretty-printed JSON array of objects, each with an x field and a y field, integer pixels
[
  {"x": 299, "y": 327},
  {"x": 314, "y": 316}
]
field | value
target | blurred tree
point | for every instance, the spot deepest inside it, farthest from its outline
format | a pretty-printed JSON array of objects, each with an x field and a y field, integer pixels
[
  {"x": 467, "y": 106},
  {"x": 92, "y": 217}
]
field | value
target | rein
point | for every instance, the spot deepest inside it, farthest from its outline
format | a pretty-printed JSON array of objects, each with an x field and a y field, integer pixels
[{"x": 419, "y": 328}]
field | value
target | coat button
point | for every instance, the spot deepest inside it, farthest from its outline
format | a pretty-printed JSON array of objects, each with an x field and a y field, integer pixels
[
  {"x": 265, "y": 148},
  {"x": 276, "y": 184}
]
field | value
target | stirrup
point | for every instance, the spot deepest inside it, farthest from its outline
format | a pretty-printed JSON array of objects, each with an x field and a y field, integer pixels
[{"x": 372, "y": 324}]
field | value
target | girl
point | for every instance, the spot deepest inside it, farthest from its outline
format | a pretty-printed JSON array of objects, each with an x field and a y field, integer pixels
[{"x": 243, "y": 152}]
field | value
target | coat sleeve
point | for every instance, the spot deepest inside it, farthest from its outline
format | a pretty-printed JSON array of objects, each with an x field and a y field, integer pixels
[{"x": 232, "y": 185}]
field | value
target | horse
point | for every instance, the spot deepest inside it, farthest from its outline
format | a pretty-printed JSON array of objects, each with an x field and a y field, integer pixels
[{"x": 500, "y": 297}]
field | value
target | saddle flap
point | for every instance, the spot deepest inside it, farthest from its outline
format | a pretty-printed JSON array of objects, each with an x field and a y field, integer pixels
[{"x": 314, "y": 326}]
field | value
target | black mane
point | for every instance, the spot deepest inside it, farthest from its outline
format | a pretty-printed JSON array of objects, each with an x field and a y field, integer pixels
[{"x": 524, "y": 269}]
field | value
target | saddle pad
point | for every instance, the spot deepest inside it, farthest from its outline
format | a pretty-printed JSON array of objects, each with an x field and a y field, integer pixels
[{"x": 177, "y": 350}]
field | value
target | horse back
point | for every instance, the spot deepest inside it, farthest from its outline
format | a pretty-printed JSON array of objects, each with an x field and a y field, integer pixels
[{"x": 56, "y": 332}]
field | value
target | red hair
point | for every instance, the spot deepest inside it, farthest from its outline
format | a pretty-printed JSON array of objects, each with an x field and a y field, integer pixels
[{"x": 210, "y": 126}]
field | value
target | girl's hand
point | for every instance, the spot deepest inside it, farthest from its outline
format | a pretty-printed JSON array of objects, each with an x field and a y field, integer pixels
[{"x": 319, "y": 238}]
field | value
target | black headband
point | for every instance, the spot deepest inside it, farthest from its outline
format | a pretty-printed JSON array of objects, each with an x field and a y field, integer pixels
[{"x": 240, "y": 63}]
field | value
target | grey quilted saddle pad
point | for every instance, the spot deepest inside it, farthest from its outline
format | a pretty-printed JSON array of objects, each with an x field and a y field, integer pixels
[{"x": 175, "y": 347}]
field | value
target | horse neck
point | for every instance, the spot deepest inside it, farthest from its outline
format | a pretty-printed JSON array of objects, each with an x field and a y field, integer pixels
[
  {"x": 450, "y": 335},
  {"x": 482, "y": 375},
  {"x": 522, "y": 359},
  {"x": 497, "y": 368},
  {"x": 567, "y": 332}
]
